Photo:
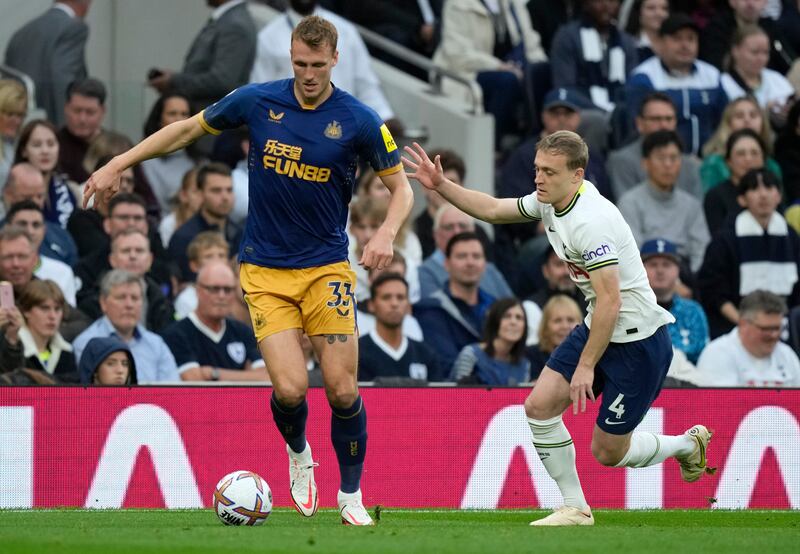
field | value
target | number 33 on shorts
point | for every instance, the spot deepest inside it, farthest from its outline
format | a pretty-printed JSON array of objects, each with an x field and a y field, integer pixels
[{"x": 341, "y": 297}]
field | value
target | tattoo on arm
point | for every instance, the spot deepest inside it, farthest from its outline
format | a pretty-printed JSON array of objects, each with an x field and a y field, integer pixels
[{"x": 333, "y": 338}]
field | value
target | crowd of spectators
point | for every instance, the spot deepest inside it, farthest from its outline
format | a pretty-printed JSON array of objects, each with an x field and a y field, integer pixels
[{"x": 696, "y": 141}]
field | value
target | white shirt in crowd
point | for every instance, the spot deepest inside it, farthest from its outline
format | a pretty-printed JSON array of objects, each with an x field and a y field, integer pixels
[{"x": 726, "y": 363}]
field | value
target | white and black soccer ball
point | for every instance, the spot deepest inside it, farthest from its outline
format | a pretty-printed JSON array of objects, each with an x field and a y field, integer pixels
[{"x": 242, "y": 498}]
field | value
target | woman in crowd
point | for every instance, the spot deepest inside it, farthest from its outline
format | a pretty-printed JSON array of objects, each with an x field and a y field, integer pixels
[
  {"x": 107, "y": 361},
  {"x": 742, "y": 113},
  {"x": 187, "y": 201},
  {"x": 500, "y": 359},
  {"x": 38, "y": 144},
  {"x": 165, "y": 174},
  {"x": 561, "y": 314},
  {"x": 744, "y": 151},
  {"x": 13, "y": 107},
  {"x": 31, "y": 337},
  {"x": 644, "y": 24},
  {"x": 748, "y": 73},
  {"x": 42, "y": 305}
]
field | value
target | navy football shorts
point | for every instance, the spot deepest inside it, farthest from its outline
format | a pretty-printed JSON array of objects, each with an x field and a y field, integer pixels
[{"x": 629, "y": 375}]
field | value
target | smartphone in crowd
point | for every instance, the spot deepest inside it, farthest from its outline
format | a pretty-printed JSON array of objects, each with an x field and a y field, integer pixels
[{"x": 6, "y": 295}]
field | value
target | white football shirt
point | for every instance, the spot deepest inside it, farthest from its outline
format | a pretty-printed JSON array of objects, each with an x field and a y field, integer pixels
[{"x": 591, "y": 233}]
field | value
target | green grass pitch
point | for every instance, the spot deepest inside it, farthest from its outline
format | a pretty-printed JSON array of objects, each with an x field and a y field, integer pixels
[{"x": 400, "y": 531}]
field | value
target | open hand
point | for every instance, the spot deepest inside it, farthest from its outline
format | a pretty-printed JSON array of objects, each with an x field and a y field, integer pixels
[{"x": 428, "y": 173}]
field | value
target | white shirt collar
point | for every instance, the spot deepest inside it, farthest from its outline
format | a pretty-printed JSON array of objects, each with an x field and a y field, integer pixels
[
  {"x": 396, "y": 355},
  {"x": 213, "y": 335},
  {"x": 220, "y": 10},
  {"x": 66, "y": 9}
]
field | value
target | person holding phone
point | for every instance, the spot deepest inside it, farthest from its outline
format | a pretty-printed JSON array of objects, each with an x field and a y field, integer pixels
[{"x": 10, "y": 324}]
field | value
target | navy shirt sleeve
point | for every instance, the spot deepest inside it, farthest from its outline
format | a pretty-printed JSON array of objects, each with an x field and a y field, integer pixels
[{"x": 231, "y": 111}]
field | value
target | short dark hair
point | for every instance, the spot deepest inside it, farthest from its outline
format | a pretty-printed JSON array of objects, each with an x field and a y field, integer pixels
[
  {"x": 742, "y": 133},
  {"x": 461, "y": 237},
  {"x": 126, "y": 198},
  {"x": 90, "y": 87},
  {"x": 655, "y": 97},
  {"x": 491, "y": 328},
  {"x": 755, "y": 177},
  {"x": 211, "y": 168},
  {"x": 23, "y": 206},
  {"x": 660, "y": 139},
  {"x": 383, "y": 278}
]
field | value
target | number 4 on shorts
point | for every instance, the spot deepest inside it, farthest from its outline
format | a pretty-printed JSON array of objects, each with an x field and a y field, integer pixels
[{"x": 617, "y": 406}]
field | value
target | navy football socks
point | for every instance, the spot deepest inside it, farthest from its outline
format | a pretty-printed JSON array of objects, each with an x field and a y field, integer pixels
[
  {"x": 291, "y": 422},
  {"x": 349, "y": 438}
]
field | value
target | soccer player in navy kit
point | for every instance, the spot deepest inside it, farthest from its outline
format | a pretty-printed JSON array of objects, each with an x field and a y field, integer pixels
[
  {"x": 306, "y": 137},
  {"x": 623, "y": 349}
]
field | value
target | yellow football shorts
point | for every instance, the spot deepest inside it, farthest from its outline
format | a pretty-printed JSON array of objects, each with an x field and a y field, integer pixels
[{"x": 319, "y": 300}]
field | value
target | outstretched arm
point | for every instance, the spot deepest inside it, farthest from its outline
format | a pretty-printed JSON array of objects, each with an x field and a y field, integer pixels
[
  {"x": 477, "y": 204},
  {"x": 105, "y": 181}
]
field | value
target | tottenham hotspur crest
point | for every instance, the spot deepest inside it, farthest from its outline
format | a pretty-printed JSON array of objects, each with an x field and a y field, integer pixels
[
  {"x": 236, "y": 351},
  {"x": 333, "y": 130}
]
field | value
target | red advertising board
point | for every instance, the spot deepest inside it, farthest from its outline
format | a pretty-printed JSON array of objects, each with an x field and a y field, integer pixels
[{"x": 427, "y": 447}]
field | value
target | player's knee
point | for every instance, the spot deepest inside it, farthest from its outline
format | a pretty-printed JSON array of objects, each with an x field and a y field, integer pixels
[
  {"x": 535, "y": 410},
  {"x": 607, "y": 456},
  {"x": 341, "y": 396},
  {"x": 290, "y": 396}
]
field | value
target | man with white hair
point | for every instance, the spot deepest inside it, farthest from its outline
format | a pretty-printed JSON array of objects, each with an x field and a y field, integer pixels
[
  {"x": 121, "y": 301},
  {"x": 448, "y": 222},
  {"x": 208, "y": 344}
]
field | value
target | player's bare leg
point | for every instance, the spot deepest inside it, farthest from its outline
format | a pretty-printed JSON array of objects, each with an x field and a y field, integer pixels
[
  {"x": 286, "y": 365},
  {"x": 338, "y": 356},
  {"x": 544, "y": 407},
  {"x": 642, "y": 449}
]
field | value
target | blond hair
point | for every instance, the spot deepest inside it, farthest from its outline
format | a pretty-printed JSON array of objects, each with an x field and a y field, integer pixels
[
  {"x": 546, "y": 341},
  {"x": 316, "y": 32},
  {"x": 716, "y": 144},
  {"x": 569, "y": 144},
  {"x": 13, "y": 98}
]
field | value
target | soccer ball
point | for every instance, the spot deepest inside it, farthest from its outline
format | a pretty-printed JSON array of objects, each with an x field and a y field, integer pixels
[{"x": 242, "y": 498}]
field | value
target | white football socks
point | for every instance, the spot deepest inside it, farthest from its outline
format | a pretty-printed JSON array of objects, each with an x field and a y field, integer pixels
[
  {"x": 648, "y": 449},
  {"x": 554, "y": 446}
]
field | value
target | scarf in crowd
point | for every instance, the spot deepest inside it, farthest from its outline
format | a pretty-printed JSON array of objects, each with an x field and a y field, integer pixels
[
  {"x": 766, "y": 260},
  {"x": 605, "y": 64}
]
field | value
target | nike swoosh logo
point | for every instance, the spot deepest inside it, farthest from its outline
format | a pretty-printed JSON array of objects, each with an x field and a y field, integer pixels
[
  {"x": 353, "y": 521},
  {"x": 307, "y": 505},
  {"x": 614, "y": 422},
  {"x": 550, "y": 228}
]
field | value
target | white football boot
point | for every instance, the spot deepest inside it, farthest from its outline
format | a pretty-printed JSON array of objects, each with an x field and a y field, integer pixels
[
  {"x": 695, "y": 464},
  {"x": 302, "y": 486},
  {"x": 564, "y": 516},
  {"x": 352, "y": 509}
]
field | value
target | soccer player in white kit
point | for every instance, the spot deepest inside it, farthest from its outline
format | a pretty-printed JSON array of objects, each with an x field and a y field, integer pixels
[{"x": 622, "y": 349}]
